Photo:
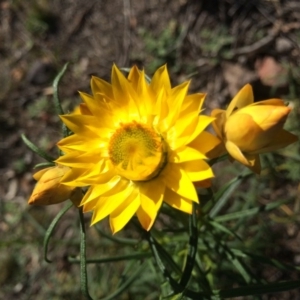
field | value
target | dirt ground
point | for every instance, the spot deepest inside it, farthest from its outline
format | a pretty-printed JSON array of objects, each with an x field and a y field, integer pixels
[{"x": 220, "y": 44}]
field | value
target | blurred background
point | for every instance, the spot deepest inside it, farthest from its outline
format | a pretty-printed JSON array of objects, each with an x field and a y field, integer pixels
[{"x": 219, "y": 44}]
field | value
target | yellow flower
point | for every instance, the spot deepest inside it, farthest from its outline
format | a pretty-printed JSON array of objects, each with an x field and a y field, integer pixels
[
  {"x": 248, "y": 128},
  {"x": 49, "y": 190},
  {"x": 136, "y": 145}
]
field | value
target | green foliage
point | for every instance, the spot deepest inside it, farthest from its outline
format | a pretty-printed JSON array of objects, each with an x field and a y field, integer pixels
[
  {"x": 218, "y": 252},
  {"x": 40, "y": 19},
  {"x": 214, "y": 41},
  {"x": 161, "y": 49}
]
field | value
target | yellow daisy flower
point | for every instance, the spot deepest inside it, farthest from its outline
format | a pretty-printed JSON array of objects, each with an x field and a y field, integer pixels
[
  {"x": 137, "y": 144},
  {"x": 248, "y": 128}
]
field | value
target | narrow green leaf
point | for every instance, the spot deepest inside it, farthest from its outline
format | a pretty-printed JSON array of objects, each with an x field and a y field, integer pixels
[
  {"x": 36, "y": 149},
  {"x": 113, "y": 259},
  {"x": 44, "y": 165},
  {"x": 222, "y": 228},
  {"x": 251, "y": 211},
  {"x": 65, "y": 130},
  {"x": 56, "y": 82},
  {"x": 221, "y": 197},
  {"x": 51, "y": 227},
  {"x": 258, "y": 289},
  {"x": 166, "y": 257},
  {"x": 266, "y": 260},
  {"x": 177, "y": 288},
  {"x": 238, "y": 264}
]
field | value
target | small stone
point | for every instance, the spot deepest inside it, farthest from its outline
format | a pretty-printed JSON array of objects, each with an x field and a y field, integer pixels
[
  {"x": 271, "y": 72},
  {"x": 283, "y": 45}
]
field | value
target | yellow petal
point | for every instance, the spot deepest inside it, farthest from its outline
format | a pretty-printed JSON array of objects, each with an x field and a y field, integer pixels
[
  {"x": 241, "y": 130},
  {"x": 82, "y": 160},
  {"x": 98, "y": 109},
  {"x": 236, "y": 153},
  {"x": 267, "y": 117},
  {"x": 188, "y": 119},
  {"x": 178, "y": 202},
  {"x": 80, "y": 124},
  {"x": 71, "y": 178},
  {"x": 37, "y": 176},
  {"x": 197, "y": 170},
  {"x": 151, "y": 197},
  {"x": 175, "y": 101},
  {"x": 243, "y": 98},
  {"x": 219, "y": 121},
  {"x": 178, "y": 135},
  {"x": 124, "y": 92},
  {"x": 161, "y": 110},
  {"x": 203, "y": 122},
  {"x": 89, "y": 206},
  {"x": 83, "y": 177},
  {"x": 123, "y": 213},
  {"x": 179, "y": 182},
  {"x": 271, "y": 102},
  {"x": 144, "y": 218},
  {"x": 176, "y": 142},
  {"x": 185, "y": 154},
  {"x": 75, "y": 142},
  {"x": 134, "y": 77},
  {"x": 98, "y": 190},
  {"x": 84, "y": 110},
  {"x": 161, "y": 80},
  {"x": 192, "y": 104},
  {"x": 100, "y": 86},
  {"x": 205, "y": 143},
  {"x": 107, "y": 205}
]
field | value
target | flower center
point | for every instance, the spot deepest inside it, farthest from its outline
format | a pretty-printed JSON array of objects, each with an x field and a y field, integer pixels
[{"x": 137, "y": 151}]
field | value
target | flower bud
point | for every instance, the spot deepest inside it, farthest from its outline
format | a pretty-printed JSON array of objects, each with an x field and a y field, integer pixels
[
  {"x": 248, "y": 129},
  {"x": 49, "y": 190}
]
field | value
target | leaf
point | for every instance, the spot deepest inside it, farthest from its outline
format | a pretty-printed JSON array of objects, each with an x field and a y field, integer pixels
[
  {"x": 36, "y": 149},
  {"x": 56, "y": 82},
  {"x": 51, "y": 229},
  {"x": 220, "y": 198},
  {"x": 258, "y": 289}
]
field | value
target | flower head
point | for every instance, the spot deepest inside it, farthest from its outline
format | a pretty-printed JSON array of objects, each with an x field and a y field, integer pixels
[
  {"x": 248, "y": 128},
  {"x": 137, "y": 144},
  {"x": 49, "y": 190}
]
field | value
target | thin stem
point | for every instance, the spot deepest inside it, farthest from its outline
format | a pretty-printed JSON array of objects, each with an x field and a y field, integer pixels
[{"x": 83, "y": 270}]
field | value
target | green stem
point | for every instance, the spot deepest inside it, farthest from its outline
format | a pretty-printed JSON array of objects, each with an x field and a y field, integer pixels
[
  {"x": 193, "y": 243},
  {"x": 83, "y": 269}
]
